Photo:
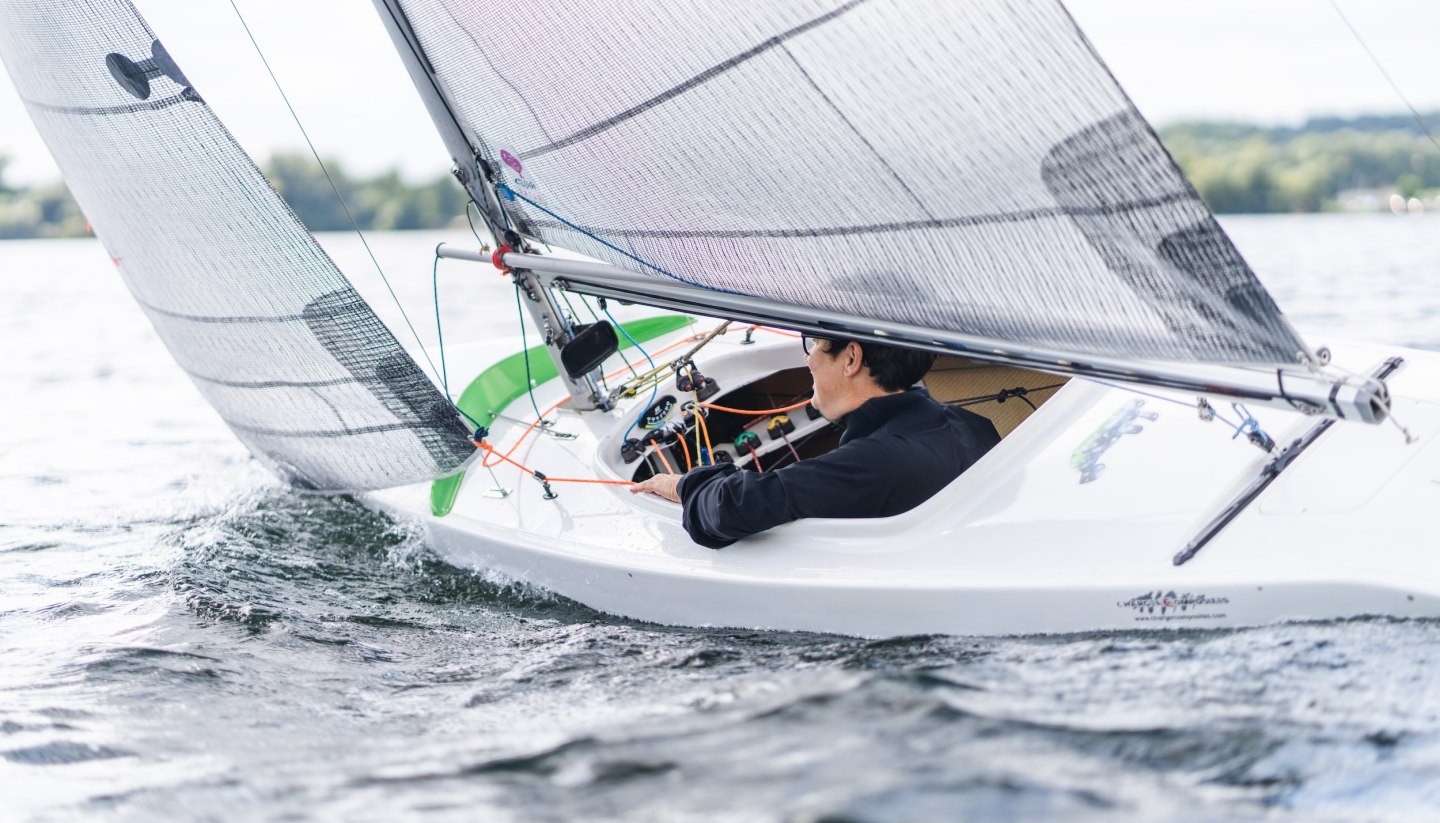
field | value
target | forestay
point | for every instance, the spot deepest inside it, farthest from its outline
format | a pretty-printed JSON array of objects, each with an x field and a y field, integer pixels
[
  {"x": 249, "y": 305},
  {"x": 968, "y": 167}
]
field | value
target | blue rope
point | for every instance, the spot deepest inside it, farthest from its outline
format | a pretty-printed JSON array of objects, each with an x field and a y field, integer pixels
[
  {"x": 653, "y": 389},
  {"x": 511, "y": 194},
  {"x": 1248, "y": 423}
]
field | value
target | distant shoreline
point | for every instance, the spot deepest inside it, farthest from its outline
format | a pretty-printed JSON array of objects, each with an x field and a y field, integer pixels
[{"x": 1383, "y": 164}]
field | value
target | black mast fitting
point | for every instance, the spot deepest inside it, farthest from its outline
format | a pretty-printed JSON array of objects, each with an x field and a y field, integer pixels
[{"x": 135, "y": 77}]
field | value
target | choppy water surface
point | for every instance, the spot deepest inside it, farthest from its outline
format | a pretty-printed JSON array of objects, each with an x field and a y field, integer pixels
[{"x": 180, "y": 636}]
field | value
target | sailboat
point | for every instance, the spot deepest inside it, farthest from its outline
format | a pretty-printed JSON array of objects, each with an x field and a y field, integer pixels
[{"x": 966, "y": 179}]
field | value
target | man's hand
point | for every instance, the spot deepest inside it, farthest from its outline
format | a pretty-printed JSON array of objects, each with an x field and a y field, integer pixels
[{"x": 664, "y": 485}]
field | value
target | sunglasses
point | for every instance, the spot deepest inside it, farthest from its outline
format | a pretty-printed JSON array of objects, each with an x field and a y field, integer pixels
[{"x": 809, "y": 344}]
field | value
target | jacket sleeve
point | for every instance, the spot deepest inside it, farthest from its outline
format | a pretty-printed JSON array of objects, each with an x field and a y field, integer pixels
[{"x": 723, "y": 504}]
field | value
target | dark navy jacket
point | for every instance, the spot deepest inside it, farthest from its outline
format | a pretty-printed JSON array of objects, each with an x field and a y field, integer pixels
[{"x": 897, "y": 452}]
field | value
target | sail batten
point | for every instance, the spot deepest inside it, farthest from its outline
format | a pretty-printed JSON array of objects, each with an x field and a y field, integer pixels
[
  {"x": 969, "y": 167},
  {"x": 269, "y": 330}
]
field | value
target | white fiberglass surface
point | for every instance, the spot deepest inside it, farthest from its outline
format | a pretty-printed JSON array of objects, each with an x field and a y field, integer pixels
[{"x": 1099, "y": 475}]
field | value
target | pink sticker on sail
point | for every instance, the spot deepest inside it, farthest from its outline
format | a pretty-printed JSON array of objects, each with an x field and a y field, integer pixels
[{"x": 511, "y": 161}]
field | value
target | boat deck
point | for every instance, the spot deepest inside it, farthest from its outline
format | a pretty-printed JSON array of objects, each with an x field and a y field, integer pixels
[{"x": 1069, "y": 524}]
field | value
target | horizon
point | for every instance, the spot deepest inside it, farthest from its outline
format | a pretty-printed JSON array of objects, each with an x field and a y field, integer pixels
[{"x": 1218, "y": 61}]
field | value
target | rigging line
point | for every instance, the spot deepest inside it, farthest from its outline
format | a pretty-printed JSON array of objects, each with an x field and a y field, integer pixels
[
  {"x": 440, "y": 335},
  {"x": 707, "y": 457},
  {"x": 511, "y": 194},
  {"x": 525, "y": 353},
  {"x": 1393, "y": 85},
  {"x": 781, "y": 410},
  {"x": 528, "y": 429},
  {"x": 471, "y": 221},
  {"x": 653, "y": 389},
  {"x": 780, "y": 461},
  {"x": 439, "y": 332},
  {"x": 659, "y": 452},
  {"x": 572, "y": 318},
  {"x": 543, "y": 478},
  {"x": 1383, "y": 401},
  {"x": 1190, "y": 406},
  {"x": 686, "y": 449},
  {"x": 584, "y": 301},
  {"x": 504, "y": 215},
  {"x": 1001, "y": 396},
  {"x": 786, "y": 438},
  {"x": 334, "y": 188}
]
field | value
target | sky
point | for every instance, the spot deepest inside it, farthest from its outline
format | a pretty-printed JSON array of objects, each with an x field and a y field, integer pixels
[{"x": 1264, "y": 61}]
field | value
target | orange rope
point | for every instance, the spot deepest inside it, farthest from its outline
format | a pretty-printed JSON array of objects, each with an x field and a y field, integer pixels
[
  {"x": 776, "y": 331},
  {"x": 491, "y": 452},
  {"x": 691, "y": 339},
  {"x": 485, "y": 463},
  {"x": 489, "y": 449},
  {"x": 661, "y": 452},
  {"x": 685, "y": 448},
  {"x": 802, "y": 404}
]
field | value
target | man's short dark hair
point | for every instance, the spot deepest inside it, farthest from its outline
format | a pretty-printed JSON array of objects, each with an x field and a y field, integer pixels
[{"x": 893, "y": 368}]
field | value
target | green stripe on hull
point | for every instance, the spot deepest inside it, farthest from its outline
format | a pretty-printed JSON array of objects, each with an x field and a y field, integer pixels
[{"x": 504, "y": 383}]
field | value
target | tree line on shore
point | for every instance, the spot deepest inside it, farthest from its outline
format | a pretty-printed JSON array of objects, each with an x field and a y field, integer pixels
[
  {"x": 1236, "y": 168},
  {"x": 1240, "y": 168},
  {"x": 385, "y": 202}
]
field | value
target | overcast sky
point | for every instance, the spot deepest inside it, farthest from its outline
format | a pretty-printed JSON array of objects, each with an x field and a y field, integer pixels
[{"x": 1269, "y": 61}]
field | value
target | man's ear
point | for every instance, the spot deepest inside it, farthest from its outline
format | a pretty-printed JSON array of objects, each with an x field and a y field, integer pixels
[{"x": 854, "y": 359}]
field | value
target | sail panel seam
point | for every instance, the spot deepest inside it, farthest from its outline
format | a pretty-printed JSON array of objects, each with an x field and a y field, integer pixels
[
  {"x": 878, "y": 228},
  {"x": 485, "y": 55},
  {"x": 222, "y": 318},
  {"x": 699, "y": 79},
  {"x": 187, "y": 95},
  {"x": 273, "y": 384},
  {"x": 850, "y": 124},
  {"x": 320, "y": 434}
]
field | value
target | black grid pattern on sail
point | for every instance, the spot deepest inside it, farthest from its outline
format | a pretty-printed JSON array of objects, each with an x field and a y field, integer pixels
[
  {"x": 269, "y": 329},
  {"x": 965, "y": 166}
]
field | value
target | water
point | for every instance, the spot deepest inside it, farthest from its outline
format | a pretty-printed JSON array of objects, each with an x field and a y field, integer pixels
[{"x": 180, "y": 637}]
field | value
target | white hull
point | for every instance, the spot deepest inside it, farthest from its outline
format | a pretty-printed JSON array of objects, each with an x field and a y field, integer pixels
[{"x": 1016, "y": 545}]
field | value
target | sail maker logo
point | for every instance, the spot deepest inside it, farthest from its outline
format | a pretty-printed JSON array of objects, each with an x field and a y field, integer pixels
[
  {"x": 1163, "y": 605},
  {"x": 514, "y": 163}
]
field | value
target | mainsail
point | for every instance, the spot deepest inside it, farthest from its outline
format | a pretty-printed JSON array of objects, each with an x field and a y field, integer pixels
[
  {"x": 963, "y": 166},
  {"x": 271, "y": 332}
]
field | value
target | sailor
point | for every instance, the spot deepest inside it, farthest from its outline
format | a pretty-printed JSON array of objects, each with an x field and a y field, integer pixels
[{"x": 899, "y": 448}]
